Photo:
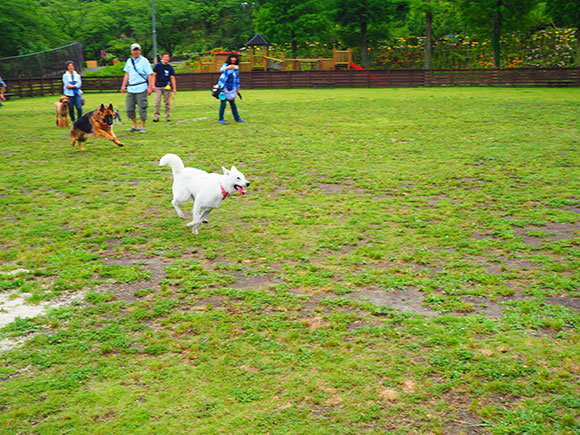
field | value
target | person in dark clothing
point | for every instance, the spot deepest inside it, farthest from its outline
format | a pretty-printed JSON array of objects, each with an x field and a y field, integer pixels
[{"x": 164, "y": 78}]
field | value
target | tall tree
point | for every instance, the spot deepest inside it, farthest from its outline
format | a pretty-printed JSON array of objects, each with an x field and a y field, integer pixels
[
  {"x": 25, "y": 30},
  {"x": 293, "y": 21},
  {"x": 436, "y": 16},
  {"x": 426, "y": 7},
  {"x": 492, "y": 17},
  {"x": 567, "y": 13},
  {"x": 369, "y": 20}
]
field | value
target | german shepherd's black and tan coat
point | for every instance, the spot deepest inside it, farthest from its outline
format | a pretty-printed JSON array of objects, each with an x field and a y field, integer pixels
[{"x": 96, "y": 123}]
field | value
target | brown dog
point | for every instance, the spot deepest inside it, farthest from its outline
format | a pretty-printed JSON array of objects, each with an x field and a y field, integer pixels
[
  {"x": 96, "y": 123},
  {"x": 61, "y": 108}
]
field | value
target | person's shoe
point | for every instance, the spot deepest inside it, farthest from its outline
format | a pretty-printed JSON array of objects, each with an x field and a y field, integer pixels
[
  {"x": 240, "y": 120},
  {"x": 132, "y": 130},
  {"x": 155, "y": 120},
  {"x": 221, "y": 121},
  {"x": 169, "y": 120},
  {"x": 142, "y": 130}
]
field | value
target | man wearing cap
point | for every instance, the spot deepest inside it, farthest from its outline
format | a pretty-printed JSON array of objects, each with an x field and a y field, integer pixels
[{"x": 138, "y": 83}]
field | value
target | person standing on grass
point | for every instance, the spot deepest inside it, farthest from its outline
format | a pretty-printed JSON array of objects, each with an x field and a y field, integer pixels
[
  {"x": 229, "y": 82},
  {"x": 138, "y": 83},
  {"x": 2, "y": 90},
  {"x": 72, "y": 90},
  {"x": 164, "y": 77}
]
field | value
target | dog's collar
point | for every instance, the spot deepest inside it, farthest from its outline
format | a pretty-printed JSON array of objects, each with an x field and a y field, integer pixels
[{"x": 224, "y": 193}]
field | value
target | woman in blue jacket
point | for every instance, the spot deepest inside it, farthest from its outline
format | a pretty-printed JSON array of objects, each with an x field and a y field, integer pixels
[
  {"x": 229, "y": 82},
  {"x": 72, "y": 89}
]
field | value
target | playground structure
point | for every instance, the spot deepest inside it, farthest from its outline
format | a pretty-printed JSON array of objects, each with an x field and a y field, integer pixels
[{"x": 259, "y": 59}]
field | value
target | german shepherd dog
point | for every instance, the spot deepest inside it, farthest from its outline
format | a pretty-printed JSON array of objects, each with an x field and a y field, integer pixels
[
  {"x": 96, "y": 123},
  {"x": 61, "y": 109}
]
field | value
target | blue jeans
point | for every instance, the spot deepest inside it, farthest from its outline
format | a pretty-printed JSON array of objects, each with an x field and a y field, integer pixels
[
  {"x": 75, "y": 101},
  {"x": 234, "y": 109}
]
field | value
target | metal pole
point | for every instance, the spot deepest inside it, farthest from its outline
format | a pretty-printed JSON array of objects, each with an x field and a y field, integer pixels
[{"x": 154, "y": 31}]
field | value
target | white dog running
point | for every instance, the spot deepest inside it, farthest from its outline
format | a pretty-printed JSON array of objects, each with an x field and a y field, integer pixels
[{"x": 207, "y": 190}]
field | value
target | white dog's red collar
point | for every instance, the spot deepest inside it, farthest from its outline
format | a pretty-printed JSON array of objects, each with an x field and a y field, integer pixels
[{"x": 224, "y": 193}]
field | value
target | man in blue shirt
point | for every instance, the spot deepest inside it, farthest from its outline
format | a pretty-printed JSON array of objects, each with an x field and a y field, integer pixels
[
  {"x": 138, "y": 83},
  {"x": 164, "y": 76}
]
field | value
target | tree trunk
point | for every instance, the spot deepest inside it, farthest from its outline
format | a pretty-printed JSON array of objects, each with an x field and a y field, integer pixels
[
  {"x": 495, "y": 42},
  {"x": 578, "y": 46},
  {"x": 294, "y": 45},
  {"x": 428, "y": 31},
  {"x": 364, "y": 45}
]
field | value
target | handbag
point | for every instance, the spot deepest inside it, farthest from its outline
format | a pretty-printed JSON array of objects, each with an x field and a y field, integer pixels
[
  {"x": 215, "y": 92},
  {"x": 82, "y": 100}
]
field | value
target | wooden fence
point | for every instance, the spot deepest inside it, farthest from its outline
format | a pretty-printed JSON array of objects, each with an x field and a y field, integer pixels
[{"x": 546, "y": 77}]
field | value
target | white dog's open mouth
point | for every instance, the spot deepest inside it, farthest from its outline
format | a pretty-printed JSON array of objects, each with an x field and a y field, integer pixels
[{"x": 240, "y": 189}]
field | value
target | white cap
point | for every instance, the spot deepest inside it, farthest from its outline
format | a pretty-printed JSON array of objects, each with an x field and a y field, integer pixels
[{"x": 134, "y": 46}]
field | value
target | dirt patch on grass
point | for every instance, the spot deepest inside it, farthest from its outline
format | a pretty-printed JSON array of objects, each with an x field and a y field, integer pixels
[
  {"x": 484, "y": 306},
  {"x": 243, "y": 282},
  {"x": 551, "y": 232},
  {"x": 126, "y": 291},
  {"x": 347, "y": 186},
  {"x": 565, "y": 301},
  {"x": 10, "y": 343},
  {"x": 412, "y": 301},
  {"x": 212, "y": 301},
  {"x": 409, "y": 300},
  {"x": 465, "y": 424}
]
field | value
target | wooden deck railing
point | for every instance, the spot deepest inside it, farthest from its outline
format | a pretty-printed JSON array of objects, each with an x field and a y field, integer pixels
[{"x": 545, "y": 77}]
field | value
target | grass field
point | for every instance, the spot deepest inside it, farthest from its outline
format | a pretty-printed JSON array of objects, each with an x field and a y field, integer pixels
[{"x": 406, "y": 261}]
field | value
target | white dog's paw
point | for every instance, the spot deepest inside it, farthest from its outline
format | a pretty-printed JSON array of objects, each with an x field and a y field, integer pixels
[
  {"x": 181, "y": 215},
  {"x": 190, "y": 224},
  {"x": 194, "y": 231}
]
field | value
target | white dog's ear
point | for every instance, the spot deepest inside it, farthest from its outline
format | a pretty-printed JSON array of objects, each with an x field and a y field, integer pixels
[
  {"x": 226, "y": 172},
  {"x": 234, "y": 169}
]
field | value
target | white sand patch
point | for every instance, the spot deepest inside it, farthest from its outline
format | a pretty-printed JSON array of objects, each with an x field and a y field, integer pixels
[{"x": 13, "y": 306}]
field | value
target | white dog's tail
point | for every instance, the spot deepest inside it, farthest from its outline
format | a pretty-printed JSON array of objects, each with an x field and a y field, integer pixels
[{"x": 174, "y": 162}]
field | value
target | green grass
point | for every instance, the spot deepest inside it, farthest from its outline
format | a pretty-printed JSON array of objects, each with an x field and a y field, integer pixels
[{"x": 406, "y": 261}]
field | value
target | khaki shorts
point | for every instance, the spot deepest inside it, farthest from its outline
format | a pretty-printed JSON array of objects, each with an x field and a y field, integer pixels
[{"x": 139, "y": 100}]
